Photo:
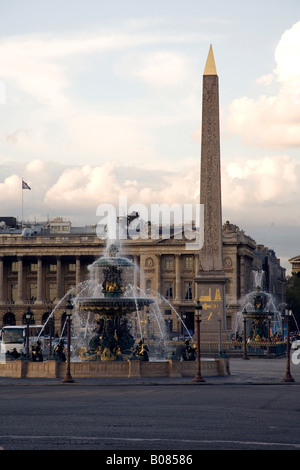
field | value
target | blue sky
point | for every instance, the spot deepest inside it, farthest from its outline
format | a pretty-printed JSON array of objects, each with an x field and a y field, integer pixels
[{"x": 100, "y": 99}]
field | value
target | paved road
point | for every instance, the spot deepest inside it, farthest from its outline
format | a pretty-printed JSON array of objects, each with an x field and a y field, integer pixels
[{"x": 234, "y": 412}]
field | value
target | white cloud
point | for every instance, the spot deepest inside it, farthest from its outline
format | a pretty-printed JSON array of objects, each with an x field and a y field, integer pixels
[
  {"x": 37, "y": 62},
  {"x": 54, "y": 121},
  {"x": 273, "y": 121},
  {"x": 88, "y": 186},
  {"x": 159, "y": 69},
  {"x": 262, "y": 186},
  {"x": 76, "y": 191},
  {"x": 256, "y": 193},
  {"x": 9, "y": 189}
]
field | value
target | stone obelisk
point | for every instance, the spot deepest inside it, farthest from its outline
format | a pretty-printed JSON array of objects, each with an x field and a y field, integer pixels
[{"x": 210, "y": 280}]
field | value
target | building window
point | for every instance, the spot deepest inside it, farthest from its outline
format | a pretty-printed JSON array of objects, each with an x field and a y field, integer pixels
[
  {"x": 13, "y": 291},
  {"x": 52, "y": 268},
  {"x": 188, "y": 263},
  {"x": 33, "y": 291},
  {"x": 168, "y": 312},
  {"x": 169, "y": 289},
  {"x": 14, "y": 267},
  {"x": 72, "y": 267},
  {"x": 188, "y": 290},
  {"x": 169, "y": 262},
  {"x": 52, "y": 291},
  {"x": 33, "y": 267}
]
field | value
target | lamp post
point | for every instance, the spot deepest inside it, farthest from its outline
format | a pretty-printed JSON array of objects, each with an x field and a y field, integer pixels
[
  {"x": 288, "y": 376},
  {"x": 28, "y": 317},
  {"x": 69, "y": 308},
  {"x": 198, "y": 377},
  {"x": 51, "y": 328},
  {"x": 245, "y": 334}
]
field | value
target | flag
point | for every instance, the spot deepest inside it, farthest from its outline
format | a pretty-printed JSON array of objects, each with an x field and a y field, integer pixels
[{"x": 25, "y": 185}]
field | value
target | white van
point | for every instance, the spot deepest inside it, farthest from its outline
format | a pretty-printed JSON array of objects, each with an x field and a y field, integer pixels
[{"x": 14, "y": 337}]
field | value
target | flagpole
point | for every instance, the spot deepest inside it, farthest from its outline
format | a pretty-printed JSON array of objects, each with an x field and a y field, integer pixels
[
  {"x": 24, "y": 186},
  {"x": 22, "y": 206}
]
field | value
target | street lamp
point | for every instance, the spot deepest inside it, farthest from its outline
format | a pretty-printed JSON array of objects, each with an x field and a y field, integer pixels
[
  {"x": 288, "y": 376},
  {"x": 51, "y": 331},
  {"x": 69, "y": 308},
  {"x": 245, "y": 334},
  {"x": 28, "y": 318},
  {"x": 198, "y": 377}
]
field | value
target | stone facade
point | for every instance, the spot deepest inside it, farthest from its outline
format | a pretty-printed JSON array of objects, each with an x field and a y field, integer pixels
[
  {"x": 248, "y": 264},
  {"x": 295, "y": 262},
  {"x": 37, "y": 271}
]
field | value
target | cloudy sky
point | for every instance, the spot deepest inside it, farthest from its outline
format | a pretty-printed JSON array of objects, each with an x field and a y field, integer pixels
[{"x": 100, "y": 99}]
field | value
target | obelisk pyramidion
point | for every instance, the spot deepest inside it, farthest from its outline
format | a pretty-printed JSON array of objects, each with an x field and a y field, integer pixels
[{"x": 210, "y": 280}]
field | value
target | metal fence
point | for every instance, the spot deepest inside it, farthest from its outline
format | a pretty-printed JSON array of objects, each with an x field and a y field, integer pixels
[{"x": 234, "y": 348}]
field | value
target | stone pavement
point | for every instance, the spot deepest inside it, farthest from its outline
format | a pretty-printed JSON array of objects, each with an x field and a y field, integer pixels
[
  {"x": 260, "y": 371},
  {"x": 252, "y": 371}
]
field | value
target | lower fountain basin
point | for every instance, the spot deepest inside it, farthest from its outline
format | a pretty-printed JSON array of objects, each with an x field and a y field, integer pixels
[{"x": 113, "y": 305}]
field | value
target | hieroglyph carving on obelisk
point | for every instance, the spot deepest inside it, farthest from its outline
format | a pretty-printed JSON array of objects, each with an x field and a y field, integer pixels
[
  {"x": 210, "y": 279},
  {"x": 210, "y": 181}
]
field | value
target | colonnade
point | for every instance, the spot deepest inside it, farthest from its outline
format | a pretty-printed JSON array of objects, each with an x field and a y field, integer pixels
[
  {"x": 6, "y": 275},
  {"x": 154, "y": 273}
]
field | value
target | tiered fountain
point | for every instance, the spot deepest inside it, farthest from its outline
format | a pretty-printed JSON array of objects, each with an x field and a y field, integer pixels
[
  {"x": 105, "y": 311},
  {"x": 259, "y": 307},
  {"x": 109, "y": 310},
  {"x": 259, "y": 322}
]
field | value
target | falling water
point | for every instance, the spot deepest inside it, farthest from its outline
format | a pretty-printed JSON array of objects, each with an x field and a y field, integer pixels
[{"x": 258, "y": 282}]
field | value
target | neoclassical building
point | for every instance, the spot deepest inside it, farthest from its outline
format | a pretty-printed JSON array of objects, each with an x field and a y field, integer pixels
[
  {"x": 295, "y": 262},
  {"x": 39, "y": 266}
]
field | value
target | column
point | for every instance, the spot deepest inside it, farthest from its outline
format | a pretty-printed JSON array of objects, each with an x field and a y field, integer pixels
[
  {"x": 20, "y": 281},
  {"x": 177, "y": 279},
  {"x": 136, "y": 277},
  {"x": 58, "y": 278},
  {"x": 39, "y": 298},
  {"x": 158, "y": 274},
  {"x": 242, "y": 275},
  {"x": 196, "y": 271},
  {"x": 1, "y": 280},
  {"x": 77, "y": 274}
]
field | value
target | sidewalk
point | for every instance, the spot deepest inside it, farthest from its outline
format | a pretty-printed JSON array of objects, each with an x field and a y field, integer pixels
[
  {"x": 261, "y": 371},
  {"x": 252, "y": 371}
]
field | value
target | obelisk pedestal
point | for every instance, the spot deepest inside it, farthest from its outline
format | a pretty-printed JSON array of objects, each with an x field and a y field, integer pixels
[{"x": 210, "y": 280}]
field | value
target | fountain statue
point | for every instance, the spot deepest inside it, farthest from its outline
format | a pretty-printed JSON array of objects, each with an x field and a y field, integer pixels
[
  {"x": 260, "y": 314},
  {"x": 109, "y": 310},
  {"x": 259, "y": 307}
]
